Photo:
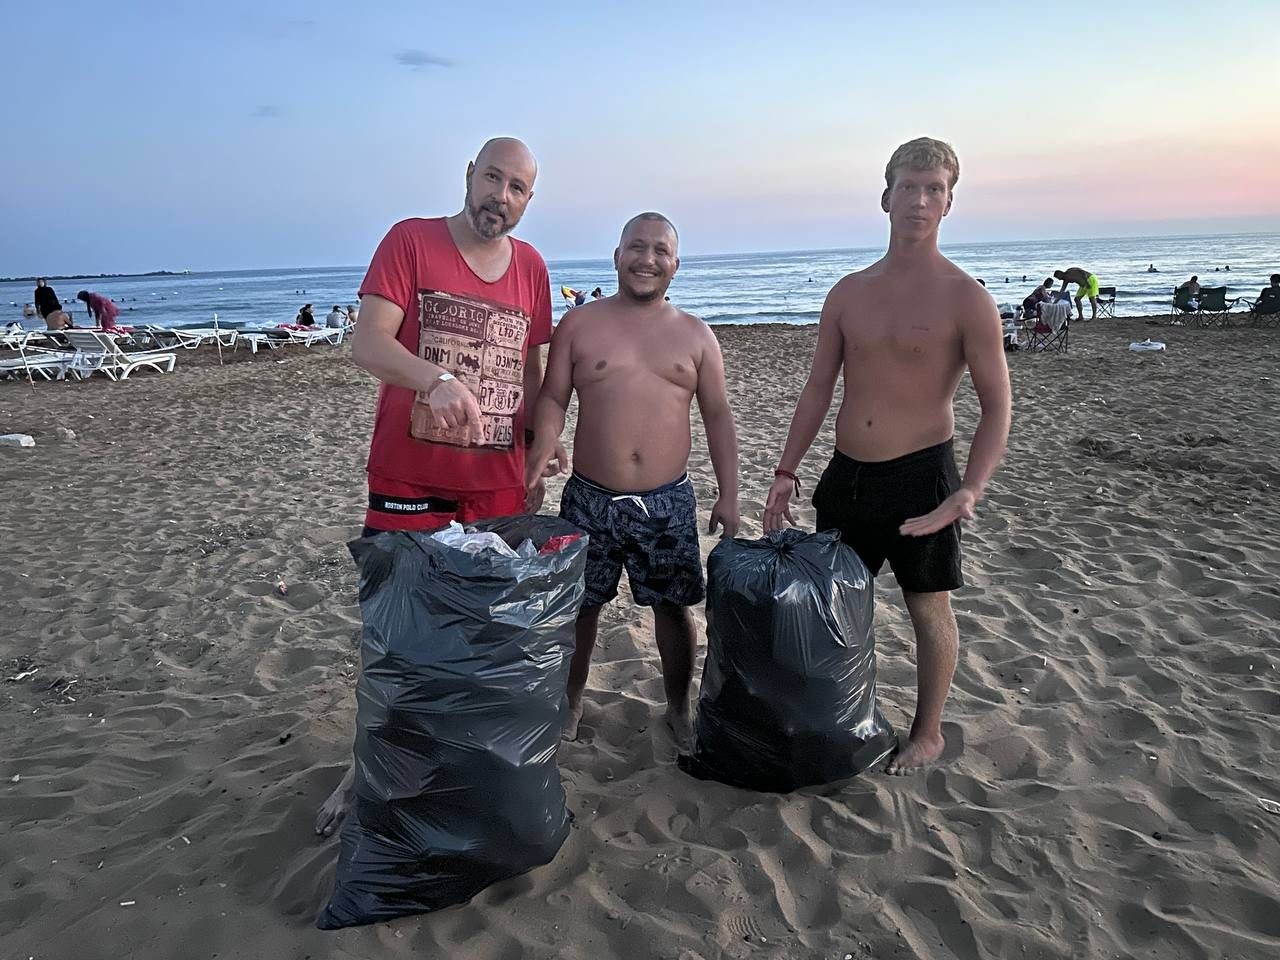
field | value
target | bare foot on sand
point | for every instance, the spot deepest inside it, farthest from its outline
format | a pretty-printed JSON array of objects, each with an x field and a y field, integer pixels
[
  {"x": 920, "y": 751},
  {"x": 334, "y": 810},
  {"x": 572, "y": 717},
  {"x": 681, "y": 725}
]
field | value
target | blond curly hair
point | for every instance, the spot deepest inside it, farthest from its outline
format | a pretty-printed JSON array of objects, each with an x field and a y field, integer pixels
[{"x": 923, "y": 153}]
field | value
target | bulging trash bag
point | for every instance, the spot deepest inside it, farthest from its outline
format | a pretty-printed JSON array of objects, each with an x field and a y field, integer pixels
[
  {"x": 465, "y": 658},
  {"x": 789, "y": 684}
]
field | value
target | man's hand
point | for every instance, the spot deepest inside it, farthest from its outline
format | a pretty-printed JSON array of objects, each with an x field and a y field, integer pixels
[
  {"x": 533, "y": 496},
  {"x": 454, "y": 406},
  {"x": 544, "y": 459},
  {"x": 777, "y": 508},
  {"x": 958, "y": 506},
  {"x": 558, "y": 461},
  {"x": 727, "y": 516}
]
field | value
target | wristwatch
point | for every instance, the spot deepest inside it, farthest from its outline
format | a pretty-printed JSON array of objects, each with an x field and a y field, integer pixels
[{"x": 443, "y": 378}]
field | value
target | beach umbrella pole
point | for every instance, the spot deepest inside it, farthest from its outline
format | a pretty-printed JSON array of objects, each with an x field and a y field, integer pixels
[{"x": 217, "y": 338}]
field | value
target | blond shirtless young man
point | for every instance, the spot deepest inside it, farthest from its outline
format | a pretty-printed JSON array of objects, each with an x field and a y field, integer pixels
[
  {"x": 903, "y": 331},
  {"x": 637, "y": 363}
]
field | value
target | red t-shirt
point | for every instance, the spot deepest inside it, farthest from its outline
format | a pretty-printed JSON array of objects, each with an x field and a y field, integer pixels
[{"x": 480, "y": 332}]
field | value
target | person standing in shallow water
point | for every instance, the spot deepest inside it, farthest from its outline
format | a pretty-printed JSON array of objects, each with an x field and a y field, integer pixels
[{"x": 903, "y": 331}]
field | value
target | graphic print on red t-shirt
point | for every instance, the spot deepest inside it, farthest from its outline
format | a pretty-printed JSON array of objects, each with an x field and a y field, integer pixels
[{"x": 480, "y": 342}]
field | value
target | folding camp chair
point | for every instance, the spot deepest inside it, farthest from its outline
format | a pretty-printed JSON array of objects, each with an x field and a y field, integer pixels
[
  {"x": 1052, "y": 330},
  {"x": 1214, "y": 307},
  {"x": 1182, "y": 305},
  {"x": 1265, "y": 311},
  {"x": 1106, "y": 302}
]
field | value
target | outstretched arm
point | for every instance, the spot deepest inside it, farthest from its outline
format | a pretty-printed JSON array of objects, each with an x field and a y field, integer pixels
[
  {"x": 722, "y": 436},
  {"x": 984, "y": 353},
  {"x": 811, "y": 410}
]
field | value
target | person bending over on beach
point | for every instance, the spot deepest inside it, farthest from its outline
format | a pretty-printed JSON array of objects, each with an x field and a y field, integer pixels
[
  {"x": 453, "y": 312},
  {"x": 1086, "y": 286},
  {"x": 102, "y": 309},
  {"x": 638, "y": 363},
  {"x": 903, "y": 331}
]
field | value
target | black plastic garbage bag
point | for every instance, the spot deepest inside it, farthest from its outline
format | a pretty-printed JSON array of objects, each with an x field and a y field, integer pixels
[
  {"x": 465, "y": 659},
  {"x": 789, "y": 685}
]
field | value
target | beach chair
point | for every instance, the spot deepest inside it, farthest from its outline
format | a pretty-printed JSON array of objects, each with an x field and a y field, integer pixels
[
  {"x": 1053, "y": 330},
  {"x": 312, "y": 335},
  {"x": 1181, "y": 305},
  {"x": 257, "y": 339},
  {"x": 99, "y": 353},
  {"x": 1215, "y": 307},
  {"x": 1265, "y": 311},
  {"x": 1107, "y": 302},
  {"x": 30, "y": 363}
]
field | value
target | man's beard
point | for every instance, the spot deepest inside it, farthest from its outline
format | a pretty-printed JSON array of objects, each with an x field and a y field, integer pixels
[
  {"x": 646, "y": 297},
  {"x": 483, "y": 227}
]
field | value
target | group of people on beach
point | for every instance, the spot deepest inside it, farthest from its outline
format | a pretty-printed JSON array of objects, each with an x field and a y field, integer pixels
[
  {"x": 453, "y": 313},
  {"x": 1086, "y": 287},
  {"x": 102, "y": 309},
  {"x": 337, "y": 318}
]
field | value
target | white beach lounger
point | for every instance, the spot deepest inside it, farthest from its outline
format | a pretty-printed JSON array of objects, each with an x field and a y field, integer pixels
[
  {"x": 332, "y": 335},
  {"x": 47, "y": 364},
  {"x": 99, "y": 353},
  {"x": 190, "y": 339},
  {"x": 255, "y": 339}
]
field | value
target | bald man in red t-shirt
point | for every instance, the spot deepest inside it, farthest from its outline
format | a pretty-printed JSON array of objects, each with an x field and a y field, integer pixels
[{"x": 453, "y": 313}]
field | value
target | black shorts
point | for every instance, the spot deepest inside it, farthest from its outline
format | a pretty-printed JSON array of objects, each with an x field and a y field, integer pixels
[
  {"x": 654, "y": 535},
  {"x": 868, "y": 502}
]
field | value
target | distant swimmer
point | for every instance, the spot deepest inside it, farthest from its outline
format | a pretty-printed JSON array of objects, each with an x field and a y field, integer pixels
[{"x": 1152, "y": 269}]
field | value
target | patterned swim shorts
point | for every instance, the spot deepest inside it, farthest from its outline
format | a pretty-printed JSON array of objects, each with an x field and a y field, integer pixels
[{"x": 654, "y": 535}]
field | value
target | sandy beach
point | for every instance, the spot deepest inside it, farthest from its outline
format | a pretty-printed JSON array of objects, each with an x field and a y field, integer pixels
[{"x": 173, "y": 718}]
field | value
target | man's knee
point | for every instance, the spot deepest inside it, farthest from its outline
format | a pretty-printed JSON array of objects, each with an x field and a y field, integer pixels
[
  {"x": 673, "y": 612},
  {"x": 930, "y": 606},
  {"x": 589, "y": 614}
]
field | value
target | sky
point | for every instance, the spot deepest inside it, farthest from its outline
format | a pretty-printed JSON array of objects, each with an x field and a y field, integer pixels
[{"x": 238, "y": 135}]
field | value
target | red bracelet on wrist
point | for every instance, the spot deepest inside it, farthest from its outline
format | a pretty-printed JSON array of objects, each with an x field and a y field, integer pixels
[{"x": 790, "y": 476}]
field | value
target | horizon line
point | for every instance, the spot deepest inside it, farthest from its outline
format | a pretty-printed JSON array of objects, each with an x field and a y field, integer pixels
[{"x": 141, "y": 274}]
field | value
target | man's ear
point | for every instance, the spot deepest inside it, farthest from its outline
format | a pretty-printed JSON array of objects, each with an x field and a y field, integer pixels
[
  {"x": 950, "y": 199},
  {"x": 884, "y": 200},
  {"x": 676, "y": 268},
  {"x": 471, "y": 168},
  {"x": 616, "y": 252}
]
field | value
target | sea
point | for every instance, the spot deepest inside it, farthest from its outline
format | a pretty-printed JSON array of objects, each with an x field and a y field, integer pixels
[{"x": 728, "y": 288}]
